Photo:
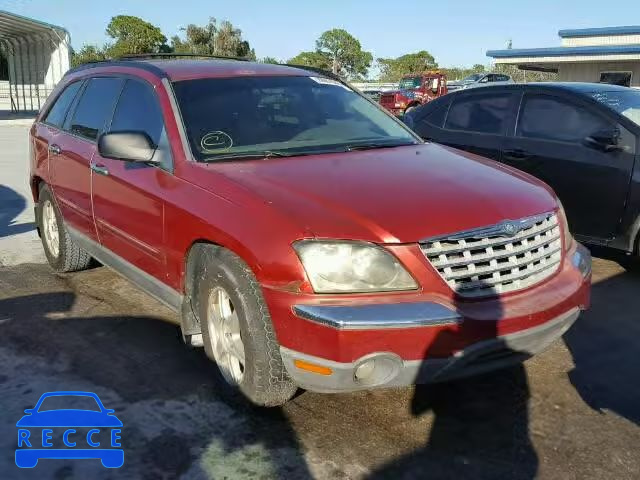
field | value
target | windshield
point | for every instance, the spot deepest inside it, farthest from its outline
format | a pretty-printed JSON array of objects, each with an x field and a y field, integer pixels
[
  {"x": 283, "y": 115},
  {"x": 66, "y": 402},
  {"x": 473, "y": 78},
  {"x": 626, "y": 103},
  {"x": 409, "y": 83}
]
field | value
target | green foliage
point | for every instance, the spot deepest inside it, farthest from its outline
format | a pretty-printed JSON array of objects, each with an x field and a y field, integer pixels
[
  {"x": 87, "y": 54},
  {"x": 392, "y": 69},
  {"x": 345, "y": 53},
  {"x": 271, "y": 60},
  {"x": 133, "y": 35},
  {"x": 312, "y": 59},
  {"x": 213, "y": 39}
]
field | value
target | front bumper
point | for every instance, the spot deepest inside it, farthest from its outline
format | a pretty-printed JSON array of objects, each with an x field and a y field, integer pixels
[
  {"x": 414, "y": 335},
  {"x": 389, "y": 370}
]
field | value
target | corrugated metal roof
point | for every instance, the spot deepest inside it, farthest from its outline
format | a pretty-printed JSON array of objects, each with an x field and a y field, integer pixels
[
  {"x": 14, "y": 26},
  {"x": 565, "y": 51},
  {"x": 600, "y": 32}
]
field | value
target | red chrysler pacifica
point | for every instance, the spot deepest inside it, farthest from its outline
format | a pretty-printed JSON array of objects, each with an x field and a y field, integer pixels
[{"x": 306, "y": 237}]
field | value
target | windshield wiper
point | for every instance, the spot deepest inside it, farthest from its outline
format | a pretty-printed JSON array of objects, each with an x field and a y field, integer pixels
[
  {"x": 247, "y": 156},
  {"x": 373, "y": 145}
]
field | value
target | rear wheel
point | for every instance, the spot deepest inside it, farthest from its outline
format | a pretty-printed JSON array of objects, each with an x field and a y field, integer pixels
[
  {"x": 236, "y": 328},
  {"x": 59, "y": 248}
]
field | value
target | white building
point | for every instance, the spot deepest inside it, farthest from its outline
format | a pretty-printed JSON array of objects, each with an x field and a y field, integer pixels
[
  {"x": 609, "y": 55},
  {"x": 36, "y": 55}
]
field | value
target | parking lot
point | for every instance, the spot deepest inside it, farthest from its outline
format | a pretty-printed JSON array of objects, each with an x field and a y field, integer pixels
[{"x": 571, "y": 413}]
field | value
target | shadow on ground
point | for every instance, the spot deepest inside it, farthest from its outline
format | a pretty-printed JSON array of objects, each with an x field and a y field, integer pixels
[
  {"x": 179, "y": 417},
  {"x": 481, "y": 424},
  {"x": 12, "y": 204},
  {"x": 605, "y": 344}
]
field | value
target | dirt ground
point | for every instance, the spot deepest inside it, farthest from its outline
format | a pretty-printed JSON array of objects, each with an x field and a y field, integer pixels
[{"x": 573, "y": 412}]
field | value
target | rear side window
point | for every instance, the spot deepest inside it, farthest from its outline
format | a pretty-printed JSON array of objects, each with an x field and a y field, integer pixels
[
  {"x": 138, "y": 110},
  {"x": 59, "y": 109},
  {"x": 95, "y": 107},
  {"x": 487, "y": 113},
  {"x": 550, "y": 118}
]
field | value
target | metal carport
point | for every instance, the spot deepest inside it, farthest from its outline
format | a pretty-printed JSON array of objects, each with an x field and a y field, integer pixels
[{"x": 37, "y": 56}]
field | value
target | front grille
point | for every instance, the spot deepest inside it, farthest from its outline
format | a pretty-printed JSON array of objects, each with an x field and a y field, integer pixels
[
  {"x": 488, "y": 261},
  {"x": 388, "y": 99}
]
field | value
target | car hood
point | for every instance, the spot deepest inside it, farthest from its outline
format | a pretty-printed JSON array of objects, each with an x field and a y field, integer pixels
[
  {"x": 393, "y": 195},
  {"x": 69, "y": 418}
]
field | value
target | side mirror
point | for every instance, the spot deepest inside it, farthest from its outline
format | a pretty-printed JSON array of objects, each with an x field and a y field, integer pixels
[
  {"x": 127, "y": 146},
  {"x": 605, "y": 140}
]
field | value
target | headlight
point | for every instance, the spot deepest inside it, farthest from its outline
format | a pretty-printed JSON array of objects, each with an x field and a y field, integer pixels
[
  {"x": 564, "y": 224},
  {"x": 343, "y": 266}
]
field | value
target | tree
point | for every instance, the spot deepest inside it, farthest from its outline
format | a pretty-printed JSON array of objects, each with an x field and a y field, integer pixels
[
  {"x": 87, "y": 54},
  {"x": 392, "y": 69},
  {"x": 213, "y": 39},
  {"x": 312, "y": 59},
  {"x": 345, "y": 53},
  {"x": 271, "y": 60},
  {"x": 133, "y": 35}
]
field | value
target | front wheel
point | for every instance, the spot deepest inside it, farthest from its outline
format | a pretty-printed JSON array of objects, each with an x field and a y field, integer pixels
[
  {"x": 61, "y": 251},
  {"x": 237, "y": 331}
]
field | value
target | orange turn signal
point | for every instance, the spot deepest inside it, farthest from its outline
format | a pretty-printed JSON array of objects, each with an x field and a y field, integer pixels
[{"x": 312, "y": 367}]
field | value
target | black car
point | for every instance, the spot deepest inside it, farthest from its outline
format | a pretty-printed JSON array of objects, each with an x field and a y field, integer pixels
[{"x": 580, "y": 138}]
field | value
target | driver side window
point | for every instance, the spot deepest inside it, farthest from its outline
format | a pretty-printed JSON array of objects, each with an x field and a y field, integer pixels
[{"x": 549, "y": 118}]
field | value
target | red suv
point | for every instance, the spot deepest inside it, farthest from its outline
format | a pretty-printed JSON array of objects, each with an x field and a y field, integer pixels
[{"x": 305, "y": 236}]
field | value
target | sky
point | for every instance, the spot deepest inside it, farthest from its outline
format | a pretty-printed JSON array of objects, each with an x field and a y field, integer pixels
[{"x": 456, "y": 33}]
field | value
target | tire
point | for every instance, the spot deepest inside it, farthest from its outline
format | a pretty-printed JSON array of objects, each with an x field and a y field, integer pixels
[
  {"x": 233, "y": 313},
  {"x": 63, "y": 255},
  {"x": 410, "y": 108}
]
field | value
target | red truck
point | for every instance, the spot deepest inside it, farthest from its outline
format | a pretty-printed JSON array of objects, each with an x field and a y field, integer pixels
[
  {"x": 414, "y": 90},
  {"x": 303, "y": 236}
]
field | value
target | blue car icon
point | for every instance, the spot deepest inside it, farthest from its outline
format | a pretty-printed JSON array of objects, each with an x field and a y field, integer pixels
[{"x": 36, "y": 431}]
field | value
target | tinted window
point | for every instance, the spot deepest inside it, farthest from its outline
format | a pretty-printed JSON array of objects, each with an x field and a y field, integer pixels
[
  {"x": 434, "y": 116},
  {"x": 60, "y": 107},
  {"x": 616, "y": 78},
  {"x": 290, "y": 115},
  {"x": 551, "y": 118},
  {"x": 487, "y": 113},
  {"x": 138, "y": 110},
  {"x": 95, "y": 107}
]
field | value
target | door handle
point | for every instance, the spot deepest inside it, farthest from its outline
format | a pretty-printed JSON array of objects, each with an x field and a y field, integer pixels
[
  {"x": 100, "y": 169},
  {"x": 54, "y": 149},
  {"x": 516, "y": 154}
]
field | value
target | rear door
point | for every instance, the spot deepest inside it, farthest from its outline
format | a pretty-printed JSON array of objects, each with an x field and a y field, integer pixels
[
  {"x": 478, "y": 121},
  {"x": 549, "y": 143},
  {"x": 128, "y": 197},
  {"x": 71, "y": 148}
]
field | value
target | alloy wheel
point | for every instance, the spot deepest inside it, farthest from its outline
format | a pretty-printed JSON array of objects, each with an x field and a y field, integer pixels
[
  {"x": 225, "y": 336},
  {"x": 50, "y": 227}
]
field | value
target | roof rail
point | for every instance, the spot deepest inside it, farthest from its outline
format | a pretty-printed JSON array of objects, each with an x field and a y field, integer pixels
[
  {"x": 117, "y": 63},
  {"x": 147, "y": 56}
]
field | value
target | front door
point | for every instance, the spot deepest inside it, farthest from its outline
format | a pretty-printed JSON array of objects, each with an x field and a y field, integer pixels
[
  {"x": 592, "y": 184},
  {"x": 128, "y": 197}
]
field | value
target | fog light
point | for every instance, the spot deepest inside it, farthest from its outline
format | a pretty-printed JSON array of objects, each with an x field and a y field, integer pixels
[{"x": 365, "y": 370}]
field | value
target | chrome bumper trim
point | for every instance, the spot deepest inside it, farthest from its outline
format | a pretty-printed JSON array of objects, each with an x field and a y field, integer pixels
[
  {"x": 379, "y": 316},
  {"x": 480, "y": 357}
]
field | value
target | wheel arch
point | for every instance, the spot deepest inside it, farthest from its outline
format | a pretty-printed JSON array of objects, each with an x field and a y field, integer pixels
[{"x": 189, "y": 319}]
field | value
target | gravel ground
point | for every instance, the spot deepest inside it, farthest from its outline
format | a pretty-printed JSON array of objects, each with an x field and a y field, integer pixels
[{"x": 571, "y": 413}]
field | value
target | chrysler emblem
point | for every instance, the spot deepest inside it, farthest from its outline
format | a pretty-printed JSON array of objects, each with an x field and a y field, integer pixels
[{"x": 510, "y": 228}]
